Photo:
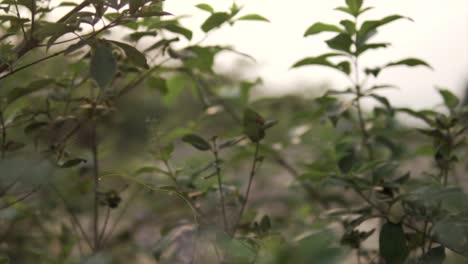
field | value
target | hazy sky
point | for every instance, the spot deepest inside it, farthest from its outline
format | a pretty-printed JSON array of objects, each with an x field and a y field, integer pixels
[{"x": 439, "y": 35}]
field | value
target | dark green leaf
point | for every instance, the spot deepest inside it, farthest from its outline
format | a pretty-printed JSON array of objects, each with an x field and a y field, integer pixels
[
  {"x": 450, "y": 100},
  {"x": 363, "y": 48},
  {"x": 321, "y": 27},
  {"x": 354, "y": 6},
  {"x": 434, "y": 256},
  {"x": 371, "y": 25},
  {"x": 197, "y": 142},
  {"x": 72, "y": 163},
  {"x": 320, "y": 60},
  {"x": 179, "y": 30},
  {"x": 215, "y": 21},
  {"x": 411, "y": 62},
  {"x": 349, "y": 25},
  {"x": 103, "y": 65},
  {"x": 384, "y": 101},
  {"x": 34, "y": 126},
  {"x": 341, "y": 42},
  {"x": 133, "y": 55},
  {"x": 392, "y": 244}
]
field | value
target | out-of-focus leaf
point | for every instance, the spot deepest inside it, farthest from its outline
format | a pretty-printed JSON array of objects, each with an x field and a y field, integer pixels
[
  {"x": 197, "y": 142},
  {"x": 450, "y": 99},
  {"x": 434, "y": 256},
  {"x": 392, "y": 244},
  {"x": 341, "y": 42},
  {"x": 253, "y": 125},
  {"x": 72, "y": 163},
  {"x": 133, "y": 55},
  {"x": 205, "y": 7},
  {"x": 103, "y": 65},
  {"x": 34, "y": 86},
  {"x": 411, "y": 62},
  {"x": 322, "y": 27},
  {"x": 215, "y": 21},
  {"x": 179, "y": 30},
  {"x": 158, "y": 84}
]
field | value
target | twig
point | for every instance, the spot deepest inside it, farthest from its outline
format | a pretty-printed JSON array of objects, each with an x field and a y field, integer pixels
[
  {"x": 249, "y": 185},
  {"x": 220, "y": 184},
  {"x": 72, "y": 215}
]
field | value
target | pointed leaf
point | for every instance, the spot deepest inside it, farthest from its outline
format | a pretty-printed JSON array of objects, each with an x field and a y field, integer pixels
[
  {"x": 215, "y": 21},
  {"x": 450, "y": 100},
  {"x": 321, "y": 27},
  {"x": 372, "y": 25},
  {"x": 410, "y": 62},
  {"x": 197, "y": 142},
  {"x": 253, "y": 17},
  {"x": 205, "y": 7},
  {"x": 179, "y": 30},
  {"x": 133, "y": 55},
  {"x": 103, "y": 65},
  {"x": 341, "y": 42}
]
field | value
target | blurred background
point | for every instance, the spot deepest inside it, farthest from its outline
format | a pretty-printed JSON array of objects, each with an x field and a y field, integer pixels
[{"x": 439, "y": 35}]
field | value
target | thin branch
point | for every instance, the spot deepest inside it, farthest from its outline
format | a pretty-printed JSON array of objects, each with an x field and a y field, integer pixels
[
  {"x": 72, "y": 215},
  {"x": 220, "y": 184},
  {"x": 22, "y": 198},
  {"x": 253, "y": 171},
  {"x": 104, "y": 227}
]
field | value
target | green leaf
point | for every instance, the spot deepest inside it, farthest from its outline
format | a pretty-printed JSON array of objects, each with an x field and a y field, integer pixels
[
  {"x": 158, "y": 84},
  {"x": 321, "y": 27},
  {"x": 349, "y": 25},
  {"x": 103, "y": 65},
  {"x": 434, "y": 256},
  {"x": 72, "y": 163},
  {"x": 253, "y": 125},
  {"x": 197, "y": 142},
  {"x": 205, "y": 7},
  {"x": 175, "y": 87},
  {"x": 384, "y": 101},
  {"x": 253, "y": 17},
  {"x": 215, "y": 21},
  {"x": 320, "y": 60},
  {"x": 450, "y": 100},
  {"x": 392, "y": 244},
  {"x": 133, "y": 55},
  {"x": 179, "y": 30},
  {"x": 341, "y": 42},
  {"x": 34, "y": 86},
  {"x": 453, "y": 234},
  {"x": 363, "y": 48},
  {"x": 52, "y": 29},
  {"x": 354, "y": 6},
  {"x": 410, "y": 62},
  {"x": 345, "y": 10},
  {"x": 371, "y": 25}
]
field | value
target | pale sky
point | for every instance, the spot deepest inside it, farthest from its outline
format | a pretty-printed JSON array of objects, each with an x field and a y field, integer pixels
[{"x": 439, "y": 35}]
